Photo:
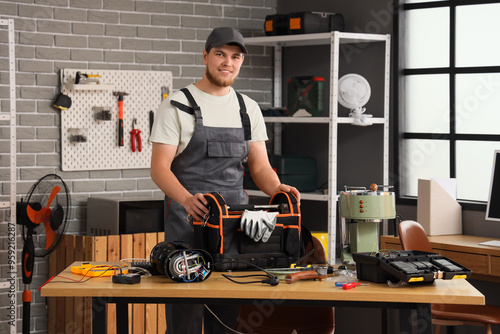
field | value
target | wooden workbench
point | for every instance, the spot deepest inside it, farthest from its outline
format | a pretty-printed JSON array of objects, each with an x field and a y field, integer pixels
[{"x": 217, "y": 289}]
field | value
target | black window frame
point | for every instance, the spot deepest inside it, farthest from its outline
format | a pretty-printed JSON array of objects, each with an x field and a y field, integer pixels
[{"x": 452, "y": 70}]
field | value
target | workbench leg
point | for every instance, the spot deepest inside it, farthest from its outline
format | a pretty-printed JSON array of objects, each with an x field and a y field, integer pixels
[
  {"x": 121, "y": 318},
  {"x": 417, "y": 320},
  {"x": 98, "y": 315}
]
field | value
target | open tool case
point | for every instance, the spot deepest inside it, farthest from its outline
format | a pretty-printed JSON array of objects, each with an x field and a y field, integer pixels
[
  {"x": 221, "y": 236},
  {"x": 413, "y": 267}
]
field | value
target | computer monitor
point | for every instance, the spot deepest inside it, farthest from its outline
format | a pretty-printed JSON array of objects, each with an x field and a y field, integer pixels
[{"x": 493, "y": 207}]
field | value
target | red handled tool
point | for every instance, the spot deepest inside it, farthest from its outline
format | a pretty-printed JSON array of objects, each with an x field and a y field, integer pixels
[
  {"x": 135, "y": 135},
  {"x": 318, "y": 274},
  {"x": 120, "y": 116},
  {"x": 350, "y": 285}
]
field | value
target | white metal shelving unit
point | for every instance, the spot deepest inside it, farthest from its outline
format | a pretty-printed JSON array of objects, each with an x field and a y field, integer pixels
[
  {"x": 10, "y": 116},
  {"x": 334, "y": 39}
]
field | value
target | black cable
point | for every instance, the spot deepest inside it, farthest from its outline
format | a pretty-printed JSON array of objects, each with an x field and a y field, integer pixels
[{"x": 271, "y": 279}]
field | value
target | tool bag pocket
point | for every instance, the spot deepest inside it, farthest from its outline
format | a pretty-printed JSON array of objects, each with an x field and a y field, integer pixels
[{"x": 220, "y": 235}]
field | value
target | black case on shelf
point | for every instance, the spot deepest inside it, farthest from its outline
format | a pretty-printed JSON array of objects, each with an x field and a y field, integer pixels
[
  {"x": 303, "y": 23},
  {"x": 414, "y": 267}
]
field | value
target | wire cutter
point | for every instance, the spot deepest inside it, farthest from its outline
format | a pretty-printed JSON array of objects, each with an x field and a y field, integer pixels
[{"x": 135, "y": 135}]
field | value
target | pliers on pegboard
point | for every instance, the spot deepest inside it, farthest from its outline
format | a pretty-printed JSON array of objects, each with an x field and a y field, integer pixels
[{"x": 135, "y": 134}]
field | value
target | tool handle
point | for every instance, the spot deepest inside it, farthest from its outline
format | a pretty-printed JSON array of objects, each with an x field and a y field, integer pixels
[
  {"x": 351, "y": 285},
  {"x": 243, "y": 207},
  {"x": 132, "y": 140},
  {"x": 120, "y": 123},
  {"x": 120, "y": 132},
  {"x": 139, "y": 141},
  {"x": 151, "y": 121},
  {"x": 309, "y": 274}
]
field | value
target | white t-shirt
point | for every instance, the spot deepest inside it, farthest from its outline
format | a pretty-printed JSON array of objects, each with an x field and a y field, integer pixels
[{"x": 175, "y": 127}]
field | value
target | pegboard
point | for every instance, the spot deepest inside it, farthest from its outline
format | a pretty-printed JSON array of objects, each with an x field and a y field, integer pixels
[{"x": 90, "y": 143}]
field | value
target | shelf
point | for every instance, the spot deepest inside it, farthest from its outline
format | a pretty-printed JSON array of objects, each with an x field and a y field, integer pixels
[
  {"x": 322, "y": 120},
  {"x": 286, "y": 119},
  {"x": 314, "y": 39},
  {"x": 334, "y": 121},
  {"x": 89, "y": 87}
]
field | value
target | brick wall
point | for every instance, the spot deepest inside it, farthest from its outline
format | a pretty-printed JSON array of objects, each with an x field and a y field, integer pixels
[{"x": 105, "y": 34}]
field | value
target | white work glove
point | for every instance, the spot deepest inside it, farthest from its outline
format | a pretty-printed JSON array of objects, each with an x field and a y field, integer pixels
[{"x": 258, "y": 225}]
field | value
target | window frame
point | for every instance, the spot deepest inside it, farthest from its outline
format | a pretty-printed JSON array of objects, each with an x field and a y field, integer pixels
[{"x": 452, "y": 71}]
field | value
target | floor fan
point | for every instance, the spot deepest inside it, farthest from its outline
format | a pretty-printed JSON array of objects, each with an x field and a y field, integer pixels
[{"x": 43, "y": 216}]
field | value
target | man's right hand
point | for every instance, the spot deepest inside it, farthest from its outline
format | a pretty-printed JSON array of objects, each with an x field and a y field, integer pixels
[{"x": 196, "y": 206}]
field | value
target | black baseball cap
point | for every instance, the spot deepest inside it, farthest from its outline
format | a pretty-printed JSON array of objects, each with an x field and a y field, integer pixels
[{"x": 225, "y": 35}]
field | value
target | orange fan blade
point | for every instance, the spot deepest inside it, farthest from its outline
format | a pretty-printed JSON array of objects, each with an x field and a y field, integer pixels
[
  {"x": 53, "y": 195},
  {"x": 38, "y": 217},
  {"x": 43, "y": 216},
  {"x": 49, "y": 234}
]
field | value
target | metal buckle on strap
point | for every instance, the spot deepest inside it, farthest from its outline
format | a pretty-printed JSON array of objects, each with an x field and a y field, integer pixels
[{"x": 206, "y": 217}]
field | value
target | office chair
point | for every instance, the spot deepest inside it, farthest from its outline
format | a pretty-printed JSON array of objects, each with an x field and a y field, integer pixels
[
  {"x": 281, "y": 319},
  {"x": 413, "y": 237}
]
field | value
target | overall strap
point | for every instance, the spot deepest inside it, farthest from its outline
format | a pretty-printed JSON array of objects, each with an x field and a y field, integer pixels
[
  {"x": 193, "y": 110},
  {"x": 245, "y": 120}
]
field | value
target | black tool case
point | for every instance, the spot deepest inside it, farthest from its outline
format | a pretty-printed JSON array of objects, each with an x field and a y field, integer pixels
[
  {"x": 414, "y": 267},
  {"x": 303, "y": 23}
]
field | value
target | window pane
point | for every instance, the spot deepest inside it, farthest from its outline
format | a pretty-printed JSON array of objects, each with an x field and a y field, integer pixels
[
  {"x": 427, "y": 103},
  {"x": 427, "y": 38},
  {"x": 423, "y": 159},
  {"x": 474, "y": 166},
  {"x": 477, "y": 35},
  {"x": 477, "y": 101}
]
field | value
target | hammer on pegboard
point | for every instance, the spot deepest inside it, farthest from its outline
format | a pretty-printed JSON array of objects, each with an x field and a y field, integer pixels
[{"x": 120, "y": 116}]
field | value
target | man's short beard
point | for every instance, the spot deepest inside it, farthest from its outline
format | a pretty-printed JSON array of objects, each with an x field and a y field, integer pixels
[{"x": 218, "y": 82}]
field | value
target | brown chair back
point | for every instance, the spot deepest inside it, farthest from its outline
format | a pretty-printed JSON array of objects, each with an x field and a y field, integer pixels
[{"x": 413, "y": 237}]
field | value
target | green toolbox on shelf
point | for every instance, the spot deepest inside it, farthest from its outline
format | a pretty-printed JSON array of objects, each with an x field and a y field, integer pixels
[
  {"x": 300, "y": 172},
  {"x": 306, "y": 96}
]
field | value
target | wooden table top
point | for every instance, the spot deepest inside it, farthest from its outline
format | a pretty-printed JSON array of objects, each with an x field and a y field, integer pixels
[{"x": 456, "y": 291}]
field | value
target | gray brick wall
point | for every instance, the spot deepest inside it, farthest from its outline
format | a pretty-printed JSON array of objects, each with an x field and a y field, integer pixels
[{"x": 104, "y": 34}]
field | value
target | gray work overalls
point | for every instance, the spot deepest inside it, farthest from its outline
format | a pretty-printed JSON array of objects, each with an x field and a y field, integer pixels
[{"x": 211, "y": 162}]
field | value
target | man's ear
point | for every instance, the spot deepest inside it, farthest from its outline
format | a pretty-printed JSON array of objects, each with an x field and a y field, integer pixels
[{"x": 205, "y": 55}]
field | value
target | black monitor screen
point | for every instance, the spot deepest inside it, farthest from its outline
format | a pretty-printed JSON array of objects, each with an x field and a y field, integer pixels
[{"x": 493, "y": 208}]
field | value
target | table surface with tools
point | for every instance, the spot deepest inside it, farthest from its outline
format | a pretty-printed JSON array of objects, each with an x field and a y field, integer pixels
[{"x": 159, "y": 289}]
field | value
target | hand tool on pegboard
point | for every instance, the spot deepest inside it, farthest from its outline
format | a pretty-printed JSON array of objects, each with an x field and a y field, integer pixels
[
  {"x": 151, "y": 122},
  {"x": 135, "y": 135},
  {"x": 83, "y": 78},
  {"x": 120, "y": 116},
  {"x": 165, "y": 91}
]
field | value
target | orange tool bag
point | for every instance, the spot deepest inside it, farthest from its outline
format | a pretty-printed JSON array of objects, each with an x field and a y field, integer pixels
[{"x": 220, "y": 235}]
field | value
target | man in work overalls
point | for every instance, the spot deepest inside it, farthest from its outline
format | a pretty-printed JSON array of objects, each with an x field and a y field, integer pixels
[{"x": 201, "y": 136}]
